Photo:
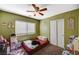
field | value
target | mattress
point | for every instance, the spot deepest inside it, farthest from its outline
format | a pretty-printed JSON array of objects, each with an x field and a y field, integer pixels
[{"x": 30, "y": 49}]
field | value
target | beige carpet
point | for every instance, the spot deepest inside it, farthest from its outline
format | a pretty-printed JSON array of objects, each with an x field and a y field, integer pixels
[{"x": 49, "y": 50}]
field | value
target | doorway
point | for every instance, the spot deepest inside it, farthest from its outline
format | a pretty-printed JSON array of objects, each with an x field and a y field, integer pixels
[{"x": 57, "y": 32}]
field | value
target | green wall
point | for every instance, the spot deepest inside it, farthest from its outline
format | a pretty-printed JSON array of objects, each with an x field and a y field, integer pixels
[
  {"x": 7, "y": 18},
  {"x": 45, "y": 24},
  {"x": 78, "y": 22},
  {"x": 44, "y": 28}
]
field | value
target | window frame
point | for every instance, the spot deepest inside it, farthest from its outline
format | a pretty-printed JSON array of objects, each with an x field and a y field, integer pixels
[{"x": 27, "y": 33}]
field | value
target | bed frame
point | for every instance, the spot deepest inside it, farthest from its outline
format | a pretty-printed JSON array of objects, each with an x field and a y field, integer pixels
[{"x": 36, "y": 49}]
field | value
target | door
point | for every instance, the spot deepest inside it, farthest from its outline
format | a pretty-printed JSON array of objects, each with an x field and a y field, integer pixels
[
  {"x": 60, "y": 24},
  {"x": 53, "y": 32}
]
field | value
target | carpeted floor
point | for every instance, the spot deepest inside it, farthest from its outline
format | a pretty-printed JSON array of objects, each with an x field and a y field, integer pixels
[{"x": 49, "y": 50}]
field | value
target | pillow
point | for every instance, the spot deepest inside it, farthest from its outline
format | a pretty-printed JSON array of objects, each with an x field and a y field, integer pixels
[
  {"x": 42, "y": 37},
  {"x": 28, "y": 42}
]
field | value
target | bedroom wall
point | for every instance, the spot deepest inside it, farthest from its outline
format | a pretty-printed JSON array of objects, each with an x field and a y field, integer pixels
[
  {"x": 7, "y": 18},
  {"x": 45, "y": 24},
  {"x": 78, "y": 22},
  {"x": 0, "y": 22}
]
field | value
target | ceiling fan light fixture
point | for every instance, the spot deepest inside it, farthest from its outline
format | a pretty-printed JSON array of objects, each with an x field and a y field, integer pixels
[{"x": 38, "y": 10}]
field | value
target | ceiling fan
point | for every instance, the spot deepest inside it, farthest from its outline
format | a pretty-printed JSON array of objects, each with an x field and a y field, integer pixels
[{"x": 38, "y": 10}]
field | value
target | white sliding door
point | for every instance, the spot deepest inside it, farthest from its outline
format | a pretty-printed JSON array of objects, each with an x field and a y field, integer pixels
[
  {"x": 57, "y": 32},
  {"x": 61, "y": 33},
  {"x": 53, "y": 32}
]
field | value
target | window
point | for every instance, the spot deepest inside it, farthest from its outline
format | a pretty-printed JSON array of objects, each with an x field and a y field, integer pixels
[
  {"x": 22, "y": 28},
  {"x": 31, "y": 28}
]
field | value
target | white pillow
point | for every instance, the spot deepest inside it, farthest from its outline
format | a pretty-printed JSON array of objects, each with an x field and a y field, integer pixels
[
  {"x": 28, "y": 42},
  {"x": 42, "y": 37}
]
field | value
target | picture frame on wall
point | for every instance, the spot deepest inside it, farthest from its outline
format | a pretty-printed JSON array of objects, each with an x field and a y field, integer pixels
[
  {"x": 10, "y": 25},
  {"x": 70, "y": 23}
]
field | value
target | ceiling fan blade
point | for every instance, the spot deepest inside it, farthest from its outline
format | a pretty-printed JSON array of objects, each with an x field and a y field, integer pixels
[
  {"x": 30, "y": 11},
  {"x": 34, "y": 6},
  {"x": 41, "y": 14},
  {"x": 34, "y": 14},
  {"x": 44, "y": 9}
]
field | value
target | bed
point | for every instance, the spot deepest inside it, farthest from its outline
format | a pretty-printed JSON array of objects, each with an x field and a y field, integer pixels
[{"x": 30, "y": 49}]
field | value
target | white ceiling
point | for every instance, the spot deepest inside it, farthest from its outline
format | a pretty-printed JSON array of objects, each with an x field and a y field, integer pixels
[{"x": 53, "y": 9}]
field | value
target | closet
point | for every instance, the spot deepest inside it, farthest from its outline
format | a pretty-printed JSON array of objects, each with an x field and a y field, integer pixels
[{"x": 57, "y": 32}]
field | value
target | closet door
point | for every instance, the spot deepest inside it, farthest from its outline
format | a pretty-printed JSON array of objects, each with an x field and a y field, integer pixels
[
  {"x": 60, "y": 24},
  {"x": 53, "y": 32}
]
